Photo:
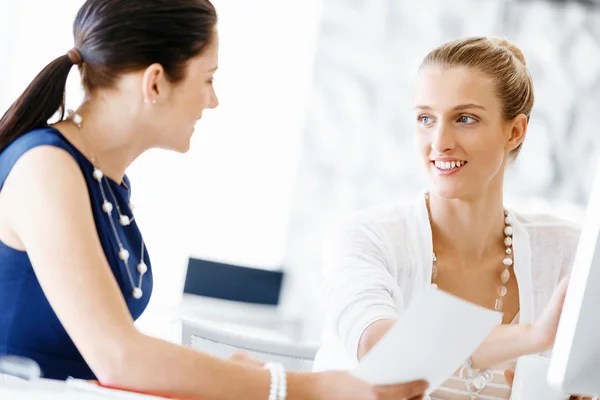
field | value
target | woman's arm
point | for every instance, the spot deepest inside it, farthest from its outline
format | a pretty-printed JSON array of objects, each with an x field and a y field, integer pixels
[
  {"x": 507, "y": 342},
  {"x": 49, "y": 210},
  {"x": 504, "y": 343},
  {"x": 359, "y": 289}
]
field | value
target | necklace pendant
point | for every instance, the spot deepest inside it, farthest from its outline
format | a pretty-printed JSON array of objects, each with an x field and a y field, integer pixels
[
  {"x": 137, "y": 293},
  {"x": 498, "y": 305}
]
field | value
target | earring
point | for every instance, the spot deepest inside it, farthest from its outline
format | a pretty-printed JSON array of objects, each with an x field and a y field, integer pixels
[{"x": 152, "y": 102}]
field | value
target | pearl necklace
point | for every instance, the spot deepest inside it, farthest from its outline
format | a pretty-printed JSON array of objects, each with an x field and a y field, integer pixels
[
  {"x": 124, "y": 220},
  {"x": 507, "y": 262}
]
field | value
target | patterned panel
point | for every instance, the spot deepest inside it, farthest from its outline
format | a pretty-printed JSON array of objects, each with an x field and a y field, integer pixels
[
  {"x": 358, "y": 146},
  {"x": 223, "y": 350}
]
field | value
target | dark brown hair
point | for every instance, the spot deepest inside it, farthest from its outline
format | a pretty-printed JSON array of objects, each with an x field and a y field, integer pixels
[
  {"x": 500, "y": 60},
  {"x": 113, "y": 37}
]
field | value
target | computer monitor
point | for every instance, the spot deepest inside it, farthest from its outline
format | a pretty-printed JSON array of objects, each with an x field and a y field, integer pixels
[{"x": 575, "y": 363}]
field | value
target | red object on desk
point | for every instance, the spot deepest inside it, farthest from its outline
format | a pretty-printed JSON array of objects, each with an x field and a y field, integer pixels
[{"x": 156, "y": 394}]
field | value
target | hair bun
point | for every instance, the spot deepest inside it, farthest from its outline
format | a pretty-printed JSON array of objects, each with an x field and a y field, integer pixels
[{"x": 498, "y": 41}]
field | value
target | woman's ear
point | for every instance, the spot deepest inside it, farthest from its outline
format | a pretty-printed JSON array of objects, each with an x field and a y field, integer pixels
[
  {"x": 153, "y": 82},
  {"x": 518, "y": 130}
]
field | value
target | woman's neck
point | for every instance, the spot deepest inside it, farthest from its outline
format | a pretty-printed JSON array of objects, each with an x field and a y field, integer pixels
[
  {"x": 107, "y": 137},
  {"x": 467, "y": 230}
]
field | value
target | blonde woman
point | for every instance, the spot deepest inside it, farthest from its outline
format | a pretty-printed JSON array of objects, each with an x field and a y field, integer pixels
[
  {"x": 74, "y": 269},
  {"x": 472, "y": 106}
]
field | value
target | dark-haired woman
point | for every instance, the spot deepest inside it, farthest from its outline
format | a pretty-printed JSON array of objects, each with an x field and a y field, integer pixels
[{"x": 74, "y": 270}]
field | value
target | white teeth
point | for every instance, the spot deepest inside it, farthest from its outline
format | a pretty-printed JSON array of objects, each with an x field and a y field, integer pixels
[{"x": 448, "y": 165}]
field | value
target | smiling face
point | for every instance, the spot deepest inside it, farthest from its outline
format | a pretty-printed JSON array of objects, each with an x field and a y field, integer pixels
[
  {"x": 172, "y": 109},
  {"x": 461, "y": 135},
  {"x": 194, "y": 94}
]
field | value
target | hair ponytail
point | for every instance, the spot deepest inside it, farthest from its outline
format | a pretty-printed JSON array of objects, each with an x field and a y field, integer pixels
[
  {"x": 44, "y": 96},
  {"x": 167, "y": 32}
]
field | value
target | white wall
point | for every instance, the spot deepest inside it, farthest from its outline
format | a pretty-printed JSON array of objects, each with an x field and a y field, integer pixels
[{"x": 229, "y": 197}]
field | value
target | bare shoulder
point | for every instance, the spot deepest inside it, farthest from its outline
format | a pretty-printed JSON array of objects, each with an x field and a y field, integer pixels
[
  {"x": 44, "y": 184},
  {"x": 46, "y": 160},
  {"x": 45, "y": 169}
]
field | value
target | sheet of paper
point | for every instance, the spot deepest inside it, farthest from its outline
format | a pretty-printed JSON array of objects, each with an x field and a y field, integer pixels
[{"x": 435, "y": 335}]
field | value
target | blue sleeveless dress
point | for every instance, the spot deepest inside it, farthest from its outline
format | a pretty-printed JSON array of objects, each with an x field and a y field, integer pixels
[{"x": 28, "y": 325}]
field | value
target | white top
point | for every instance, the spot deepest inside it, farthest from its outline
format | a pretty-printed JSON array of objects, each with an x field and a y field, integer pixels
[{"x": 380, "y": 258}]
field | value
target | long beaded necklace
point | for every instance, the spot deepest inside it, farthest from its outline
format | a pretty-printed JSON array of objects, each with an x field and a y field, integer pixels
[
  {"x": 476, "y": 382},
  {"x": 507, "y": 262},
  {"x": 124, "y": 219}
]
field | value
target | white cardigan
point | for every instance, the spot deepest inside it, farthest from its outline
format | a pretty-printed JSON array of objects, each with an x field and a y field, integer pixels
[{"x": 380, "y": 258}]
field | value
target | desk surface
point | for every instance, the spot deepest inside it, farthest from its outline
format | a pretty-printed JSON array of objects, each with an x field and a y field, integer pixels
[{"x": 45, "y": 389}]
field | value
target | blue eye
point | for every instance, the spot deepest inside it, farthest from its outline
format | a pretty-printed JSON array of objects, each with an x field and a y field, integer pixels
[
  {"x": 464, "y": 119},
  {"x": 425, "y": 120}
]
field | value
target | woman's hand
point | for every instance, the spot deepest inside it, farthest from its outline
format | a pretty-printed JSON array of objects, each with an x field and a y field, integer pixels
[
  {"x": 543, "y": 331},
  {"x": 338, "y": 385},
  {"x": 342, "y": 385},
  {"x": 509, "y": 375}
]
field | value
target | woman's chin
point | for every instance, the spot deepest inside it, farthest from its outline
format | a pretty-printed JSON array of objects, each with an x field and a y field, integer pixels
[
  {"x": 182, "y": 146},
  {"x": 448, "y": 192}
]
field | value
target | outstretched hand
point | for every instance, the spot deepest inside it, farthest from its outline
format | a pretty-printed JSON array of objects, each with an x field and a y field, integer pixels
[{"x": 543, "y": 330}]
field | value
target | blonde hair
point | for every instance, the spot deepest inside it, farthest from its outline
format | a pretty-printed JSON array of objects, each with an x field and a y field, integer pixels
[{"x": 498, "y": 59}]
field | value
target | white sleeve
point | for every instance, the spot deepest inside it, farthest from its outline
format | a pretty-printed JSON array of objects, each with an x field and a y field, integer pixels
[
  {"x": 358, "y": 288},
  {"x": 569, "y": 243}
]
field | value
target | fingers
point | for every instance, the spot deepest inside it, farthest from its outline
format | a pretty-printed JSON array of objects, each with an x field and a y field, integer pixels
[
  {"x": 410, "y": 390},
  {"x": 558, "y": 297},
  {"x": 562, "y": 286},
  {"x": 509, "y": 375}
]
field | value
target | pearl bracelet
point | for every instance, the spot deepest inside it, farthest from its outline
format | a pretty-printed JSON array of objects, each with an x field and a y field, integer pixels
[{"x": 278, "y": 389}]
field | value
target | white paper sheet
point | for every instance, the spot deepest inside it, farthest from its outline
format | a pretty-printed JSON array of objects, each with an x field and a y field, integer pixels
[{"x": 435, "y": 335}]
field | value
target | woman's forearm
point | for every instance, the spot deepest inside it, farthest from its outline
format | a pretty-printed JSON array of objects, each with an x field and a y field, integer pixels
[
  {"x": 504, "y": 343},
  {"x": 155, "y": 365}
]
